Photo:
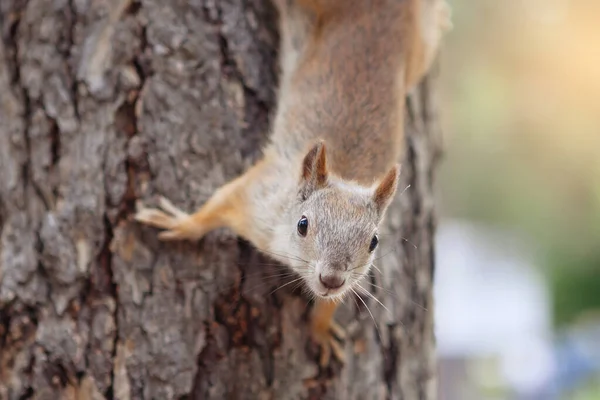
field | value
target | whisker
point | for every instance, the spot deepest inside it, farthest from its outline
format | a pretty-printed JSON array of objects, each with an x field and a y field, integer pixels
[
  {"x": 409, "y": 242},
  {"x": 388, "y": 291},
  {"x": 272, "y": 281},
  {"x": 269, "y": 281},
  {"x": 262, "y": 264},
  {"x": 405, "y": 189},
  {"x": 401, "y": 237},
  {"x": 355, "y": 302},
  {"x": 296, "y": 257},
  {"x": 257, "y": 282},
  {"x": 282, "y": 286},
  {"x": 396, "y": 296},
  {"x": 418, "y": 305},
  {"x": 375, "y": 266},
  {"x": 380, "y": 257},
  {"x": 370, "y": 313},
  {"x": 296, "y": 286},
  {"x": 362, "y": 266},
  {"x": 288, "y": 256},
  {"x": 357, "y": 267},
  {"x": 373, "y": 297},
  {"x": 275, "y": 273},
  {"x": 283, "y": 256}
]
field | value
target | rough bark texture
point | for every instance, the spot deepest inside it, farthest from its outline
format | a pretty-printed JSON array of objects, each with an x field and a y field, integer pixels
[{"x": 104, "y": 103}]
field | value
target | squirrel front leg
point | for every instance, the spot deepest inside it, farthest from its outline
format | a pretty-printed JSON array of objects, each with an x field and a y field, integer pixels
[
  {"x": 326, "y": 332},
  {"x": 227, "y": 207}
]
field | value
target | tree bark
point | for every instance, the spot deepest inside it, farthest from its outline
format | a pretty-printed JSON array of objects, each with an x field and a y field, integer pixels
[{"x": 105, "y": 103}]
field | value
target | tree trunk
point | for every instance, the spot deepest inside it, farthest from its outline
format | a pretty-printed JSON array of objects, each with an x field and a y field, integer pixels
[{"x": 104, "y": 103}]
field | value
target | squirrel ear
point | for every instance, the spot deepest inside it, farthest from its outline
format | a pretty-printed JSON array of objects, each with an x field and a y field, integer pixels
[
  {"x": 314, "y": 168},
  {"x": 386, "y": 188}
]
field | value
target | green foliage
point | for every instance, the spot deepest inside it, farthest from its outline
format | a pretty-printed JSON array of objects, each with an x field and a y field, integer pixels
[
  {"x": 575, "y": 282},
  {"x": 591, "y": 391}
]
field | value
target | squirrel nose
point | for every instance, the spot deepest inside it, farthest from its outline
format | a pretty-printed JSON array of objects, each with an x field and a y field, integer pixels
[{"x": 331, "y": 281}]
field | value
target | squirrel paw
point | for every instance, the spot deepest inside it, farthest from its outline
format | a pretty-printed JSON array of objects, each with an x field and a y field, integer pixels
[
  {"x": 178, "y": 224},
  {"x": 327, "y": 334}
]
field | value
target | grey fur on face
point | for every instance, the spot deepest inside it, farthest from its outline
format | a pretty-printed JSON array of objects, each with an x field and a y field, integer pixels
[{"x": 332, "y": 249}]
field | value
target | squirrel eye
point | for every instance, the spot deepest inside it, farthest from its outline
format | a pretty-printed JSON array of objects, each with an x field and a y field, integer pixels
[
  {"x": 373, "y": 244},
  {"x": 302, "y": 226}
]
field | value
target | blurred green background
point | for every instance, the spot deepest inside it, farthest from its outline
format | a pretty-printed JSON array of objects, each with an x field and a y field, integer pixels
[
  {"x": 520, "y": 90},
  {"x": 521, "y": 114}
]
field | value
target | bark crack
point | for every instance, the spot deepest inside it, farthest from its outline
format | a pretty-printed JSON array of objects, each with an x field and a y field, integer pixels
[
  {"x": 67, "y": 55},
  {"x": 12, "y": 44},
  {"x": 26, "y": 169},
  {"x": 55, "y": 149},
  {"x": 24, "y": 317},
  {"x": 126, "y": 122},
  {"x": 16, "y": 316},
  {"x": 106, "y": 265}
]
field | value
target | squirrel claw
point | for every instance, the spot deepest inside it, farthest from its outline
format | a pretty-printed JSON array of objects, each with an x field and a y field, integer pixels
[
  {"x": 337, "y": 330},
  {"x": 172, "y": 235},
  {"x": 169, "y": 207},
  {"x": 327, "y": 348},
  {"x": 328, "y": 337},
  {"x": 170, "y": 218},
  {"x": 155, "y": 218}
]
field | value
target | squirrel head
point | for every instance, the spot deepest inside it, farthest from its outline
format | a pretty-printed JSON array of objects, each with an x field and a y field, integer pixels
[{"x": 329, "y": 233}]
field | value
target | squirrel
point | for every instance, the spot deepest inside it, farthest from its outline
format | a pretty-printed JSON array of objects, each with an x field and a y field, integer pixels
[{"x": 315, "y": 199}]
